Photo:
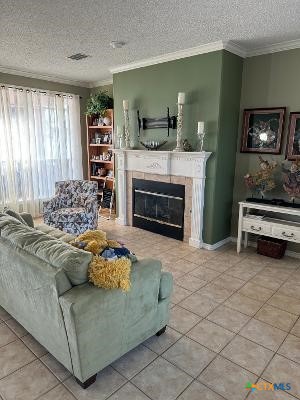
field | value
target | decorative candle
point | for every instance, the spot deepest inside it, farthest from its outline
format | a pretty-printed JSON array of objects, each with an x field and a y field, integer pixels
[
  {"x": 200, "y": 126},
  {"x": 125, "y": 104},
  {"x": 181, "y": 98}
]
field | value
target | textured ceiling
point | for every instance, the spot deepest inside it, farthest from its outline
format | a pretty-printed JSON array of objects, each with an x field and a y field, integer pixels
[{"x": 37, "y": 35}]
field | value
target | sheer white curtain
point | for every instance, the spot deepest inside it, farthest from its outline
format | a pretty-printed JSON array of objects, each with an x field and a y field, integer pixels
[{"x": 40, "y": 143}]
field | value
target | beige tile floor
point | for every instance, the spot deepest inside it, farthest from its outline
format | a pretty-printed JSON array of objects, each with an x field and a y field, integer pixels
[{"x": 233, "y": 319}]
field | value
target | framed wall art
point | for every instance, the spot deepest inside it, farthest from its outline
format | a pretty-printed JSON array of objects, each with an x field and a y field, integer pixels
[
  {"x": 293, "y": 144},
  {"x": 262, "y": 130}
]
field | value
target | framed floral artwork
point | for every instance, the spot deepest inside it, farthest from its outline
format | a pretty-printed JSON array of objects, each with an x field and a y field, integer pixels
[
  {"x": 293, "y": 144},
  {"x": 262, "y": 130}
]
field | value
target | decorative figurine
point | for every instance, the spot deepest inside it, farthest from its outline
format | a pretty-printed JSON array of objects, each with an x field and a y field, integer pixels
[
  {"x": 263, "y": 180},
  {"x": 291, "y": 180},
  {"x": 186, "y": 145}
]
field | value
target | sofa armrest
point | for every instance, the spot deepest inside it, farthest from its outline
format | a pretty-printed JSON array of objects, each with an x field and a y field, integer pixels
[
  {"x": 166, "y": 285},
  {"x": 28, "y": 219},
  {"x": 104, "y": 324}
]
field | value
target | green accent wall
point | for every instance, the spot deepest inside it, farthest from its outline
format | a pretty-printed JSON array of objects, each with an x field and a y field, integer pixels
[
  {"x": 231, "y": 80},
  {"x": 269, "y": 80},
  {"x": 212, "y": 85},
  {"x": 16, "y": 80}
]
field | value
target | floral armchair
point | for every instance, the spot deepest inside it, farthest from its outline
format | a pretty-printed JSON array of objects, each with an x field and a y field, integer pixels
[{"x": 74, "y": 208}]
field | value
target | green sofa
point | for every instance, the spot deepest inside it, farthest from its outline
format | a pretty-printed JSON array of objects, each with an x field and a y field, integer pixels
[{"x": 43, "y": 285}]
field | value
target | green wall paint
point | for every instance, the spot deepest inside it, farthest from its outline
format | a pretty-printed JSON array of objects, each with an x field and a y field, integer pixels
[
  {"x": 230, "y": 91},
  {"x": 209, "y": 97},
  {"x": 270, "y": 80},
  {"x": 53, "y": 86}
]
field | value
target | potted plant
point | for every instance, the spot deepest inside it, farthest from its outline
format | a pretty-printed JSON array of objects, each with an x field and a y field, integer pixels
[{"x": 97, "y": 105}]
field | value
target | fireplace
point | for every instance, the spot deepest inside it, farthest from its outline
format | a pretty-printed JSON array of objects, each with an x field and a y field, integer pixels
[
  {"x": 166, "y": 167},
  {"x": 158, "y": 207}
]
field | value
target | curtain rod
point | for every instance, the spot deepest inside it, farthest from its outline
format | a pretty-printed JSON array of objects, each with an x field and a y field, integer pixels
[{"x": 37, "y": 90}]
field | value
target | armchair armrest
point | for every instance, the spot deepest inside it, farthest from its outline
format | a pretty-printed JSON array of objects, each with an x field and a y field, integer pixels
[
  {"x": 49, "y": 206},
  {"x": 91, "y": 205},
  {"x": 91, "y": 208}
]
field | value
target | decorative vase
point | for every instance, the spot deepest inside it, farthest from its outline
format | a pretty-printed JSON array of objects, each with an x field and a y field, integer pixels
[{"x": 107, "y": 121}]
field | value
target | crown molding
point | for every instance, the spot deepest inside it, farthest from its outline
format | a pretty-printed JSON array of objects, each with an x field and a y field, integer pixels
[
  {"x": 274, "y": 48},
  {"x": 234, "y": 48},
  {"x": 51, "y": 78},
  {"x": 104, "y": 82},
  {"x": 229, "y": 45},
  {"x": 176, "y": 55}
]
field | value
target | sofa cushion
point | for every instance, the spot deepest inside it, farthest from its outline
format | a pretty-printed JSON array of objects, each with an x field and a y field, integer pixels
[
  {"x": 6, "y": 219},
  {"x": 55, "y": 233},
  {"x": 58, "y": 254},
  {"x": 73, "y": 214}
]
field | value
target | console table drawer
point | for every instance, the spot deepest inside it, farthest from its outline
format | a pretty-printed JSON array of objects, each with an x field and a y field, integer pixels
[
  {"x": 256, "y": 227},
  {"x": 286, "y": 233}
]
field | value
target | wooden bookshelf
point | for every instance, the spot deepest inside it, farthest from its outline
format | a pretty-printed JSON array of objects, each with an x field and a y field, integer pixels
[{"x": 100, "y": 141}]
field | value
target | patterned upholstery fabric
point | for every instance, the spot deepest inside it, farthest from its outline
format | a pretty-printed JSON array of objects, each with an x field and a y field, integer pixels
[{"x": 74, "y": 208}]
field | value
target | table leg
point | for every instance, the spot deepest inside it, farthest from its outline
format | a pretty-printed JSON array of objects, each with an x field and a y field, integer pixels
[
  {"x": 246, "y": 240},
  {"x": 240, "y": 233}
]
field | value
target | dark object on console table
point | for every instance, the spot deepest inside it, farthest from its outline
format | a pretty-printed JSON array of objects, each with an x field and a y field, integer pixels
[
  {"x": 273, "y": 202},
  {"x": 271, "y": 247}
]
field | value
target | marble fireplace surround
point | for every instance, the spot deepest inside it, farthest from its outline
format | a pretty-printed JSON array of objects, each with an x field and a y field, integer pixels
[{"x": 185, "y": 168}]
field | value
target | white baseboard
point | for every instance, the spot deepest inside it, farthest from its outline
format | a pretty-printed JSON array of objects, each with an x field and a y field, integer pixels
[
  {"x": 289, "y": 253},
  {"x": 195, "y": 243},
  {"x": 216, "y": 245}
]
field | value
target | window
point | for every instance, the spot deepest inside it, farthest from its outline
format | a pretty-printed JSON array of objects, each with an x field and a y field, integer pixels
[{"x": 40, "y": 143}]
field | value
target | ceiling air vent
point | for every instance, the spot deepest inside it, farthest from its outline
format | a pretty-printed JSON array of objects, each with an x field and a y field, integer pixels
[{"x": 78, "y": 56}]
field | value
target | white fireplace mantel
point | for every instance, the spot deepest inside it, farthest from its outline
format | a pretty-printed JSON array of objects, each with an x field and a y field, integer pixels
[{"x": 187, "y": 164}]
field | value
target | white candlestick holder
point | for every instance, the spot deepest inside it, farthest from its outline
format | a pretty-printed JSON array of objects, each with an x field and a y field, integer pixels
[
  {"x": 201, "y": 136},
  {"x": 120, "y": 135},
  {"x": 179, "y": 146},
  {"x": 126, "y": 129}
]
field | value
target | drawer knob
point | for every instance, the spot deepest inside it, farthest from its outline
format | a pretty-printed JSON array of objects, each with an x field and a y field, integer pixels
[
  {"x": 287, "y": 235},
  {"x": 256, "y": 229}
]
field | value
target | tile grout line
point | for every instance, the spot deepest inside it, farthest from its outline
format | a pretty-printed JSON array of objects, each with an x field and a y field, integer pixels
[
  {"x": 251, "y": 317},
  {"x": 184, "y": 335},
  {"x": 36, "y": 359}
]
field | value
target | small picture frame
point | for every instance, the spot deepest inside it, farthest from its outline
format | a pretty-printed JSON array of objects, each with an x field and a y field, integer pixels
[
  {"x": 293, "y": 144},
  {"x": 262, "y": 130}
]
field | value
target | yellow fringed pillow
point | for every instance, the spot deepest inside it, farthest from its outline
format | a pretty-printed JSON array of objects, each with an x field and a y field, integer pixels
[{"x": 110, "y": 274}]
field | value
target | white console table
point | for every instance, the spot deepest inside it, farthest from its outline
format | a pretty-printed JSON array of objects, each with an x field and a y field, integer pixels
[{"x": 279, "y": 228}]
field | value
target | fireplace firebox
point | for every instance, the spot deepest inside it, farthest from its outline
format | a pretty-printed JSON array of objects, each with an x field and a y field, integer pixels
[{"x": 158, "y": 207}]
